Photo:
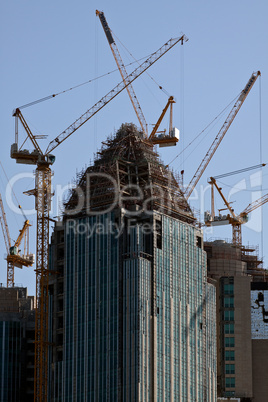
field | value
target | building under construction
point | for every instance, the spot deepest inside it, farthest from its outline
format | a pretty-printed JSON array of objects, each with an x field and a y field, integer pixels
[
  {"x": 132, "y": 313},
  {"x": 242, "y": 326}
]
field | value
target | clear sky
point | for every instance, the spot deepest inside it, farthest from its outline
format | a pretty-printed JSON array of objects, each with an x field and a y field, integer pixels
[{"x": 48, "y": 47}]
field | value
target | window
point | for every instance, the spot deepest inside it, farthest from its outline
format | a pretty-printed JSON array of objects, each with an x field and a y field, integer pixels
[
  {"x": 228, "y": 288},
  {"x": 229, "y": 315},
  {"x": 229, "y": 355},
  {"x": 229, "y": 369},
  {"x": 158, "y": 227},
  {"x": 230, "y": 382},
  {"x": 228, "y": 328},
  {"x": 199, "y": 241},
  {"x": 229, "y": 301},
  {"x": 229, "y": 342},
  {"x": 229, "y": 393}
]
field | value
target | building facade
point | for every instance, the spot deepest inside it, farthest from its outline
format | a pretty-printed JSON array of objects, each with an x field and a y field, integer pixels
[
  {"x": 17, "y": 332},
  {"x": 138, "y": 321}
]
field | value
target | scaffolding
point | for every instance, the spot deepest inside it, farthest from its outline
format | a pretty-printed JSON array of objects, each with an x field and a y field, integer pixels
[
  {"x": 224, "y": 249},
  {"x": 128, "y": 173}
]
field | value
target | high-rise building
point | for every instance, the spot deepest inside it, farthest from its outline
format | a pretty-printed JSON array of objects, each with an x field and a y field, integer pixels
[
  {"x": 132, "y": 313},
  {"x": 240, "y": 325},
  {"x": 17, "y": 330}
]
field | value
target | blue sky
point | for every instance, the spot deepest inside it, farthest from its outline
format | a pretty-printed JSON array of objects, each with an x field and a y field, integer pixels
[{"x": 47, "y": 47}]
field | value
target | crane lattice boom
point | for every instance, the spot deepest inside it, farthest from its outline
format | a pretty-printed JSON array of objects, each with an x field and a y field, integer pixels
[
  {"x": 244, "y": 93},
  {"x": 256, "y": 204},
  {"x": 113, "y": 93},
  {"x": 123, "y": 71}
]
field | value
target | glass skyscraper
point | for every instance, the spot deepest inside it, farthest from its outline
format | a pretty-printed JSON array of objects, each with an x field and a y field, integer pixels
[{"x": 138, "y": 320}]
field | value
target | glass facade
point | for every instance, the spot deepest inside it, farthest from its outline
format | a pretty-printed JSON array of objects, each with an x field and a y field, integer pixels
[
  {"x": 91, "y": 300},
  {"x": 140, "y": 321},
  {"x": 10, "y": 358}
]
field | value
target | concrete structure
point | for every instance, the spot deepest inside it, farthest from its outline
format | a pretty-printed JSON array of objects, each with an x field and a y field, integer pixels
[
  {"x": 237, "y": 273},
  {"x": 17, "y": 330},
  {"x": 133, "y": 315}
]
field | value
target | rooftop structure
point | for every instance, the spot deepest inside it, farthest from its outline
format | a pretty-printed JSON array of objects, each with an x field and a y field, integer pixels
[{"x": 127, "y": 171}]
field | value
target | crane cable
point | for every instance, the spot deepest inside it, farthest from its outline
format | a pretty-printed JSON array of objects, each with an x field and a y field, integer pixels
[
  {"x": 260, "y": 121},
  {"x": 182, "y": 102},
  {"x": 74, "y": 87},
  {"x": 19, "y": 206},
  {"x": 95, "y": 90},
  {"x": 137, "y": 61},
  {"x": 190, "y": 143},
  {"x": 220, "y": 176}
]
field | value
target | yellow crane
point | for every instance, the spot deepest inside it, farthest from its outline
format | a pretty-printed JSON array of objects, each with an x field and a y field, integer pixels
[
  {"x": 14, "y": 258},
  {"x": 235, "y": 220},
  {"x": 163, "y": 140},
  {"x": 230, "y": 118},
  {"x": 42, "y": 193}
]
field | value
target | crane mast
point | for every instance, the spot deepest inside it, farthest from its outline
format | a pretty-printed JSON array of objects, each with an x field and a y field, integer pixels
[
  {"x": 166, "y": 140},
  {"x": 43, "y": 195},
  {"x": 123, "y": 71},
  {"x": 42, "y": 206},
  {"x": 244, "y": 93}
]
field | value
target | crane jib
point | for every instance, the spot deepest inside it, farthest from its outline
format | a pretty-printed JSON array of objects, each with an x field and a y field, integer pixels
[
  {"x": 113, "y": 93},
  {"x": 106, "y": 28},
  {"x": 251, "y": 81},
  {"x": 249, "y": 85},
  {"x": 220, "y": 135}
]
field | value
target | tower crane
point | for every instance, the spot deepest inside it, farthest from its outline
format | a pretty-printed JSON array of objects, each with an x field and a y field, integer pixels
[
  {"x": 173, "y": 137},
  {"x": 164, "y": 140},
  {"x": 14, "y": 258},
  {"x": 123, "y": 71},
  {"x": 230, "y": 118},
  {"x": 42, "y": 192},
  {"x": 235, "y": 220}
]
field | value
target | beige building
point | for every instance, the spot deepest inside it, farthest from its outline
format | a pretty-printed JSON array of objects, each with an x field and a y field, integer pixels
[{"x": 240, "y": 375}]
